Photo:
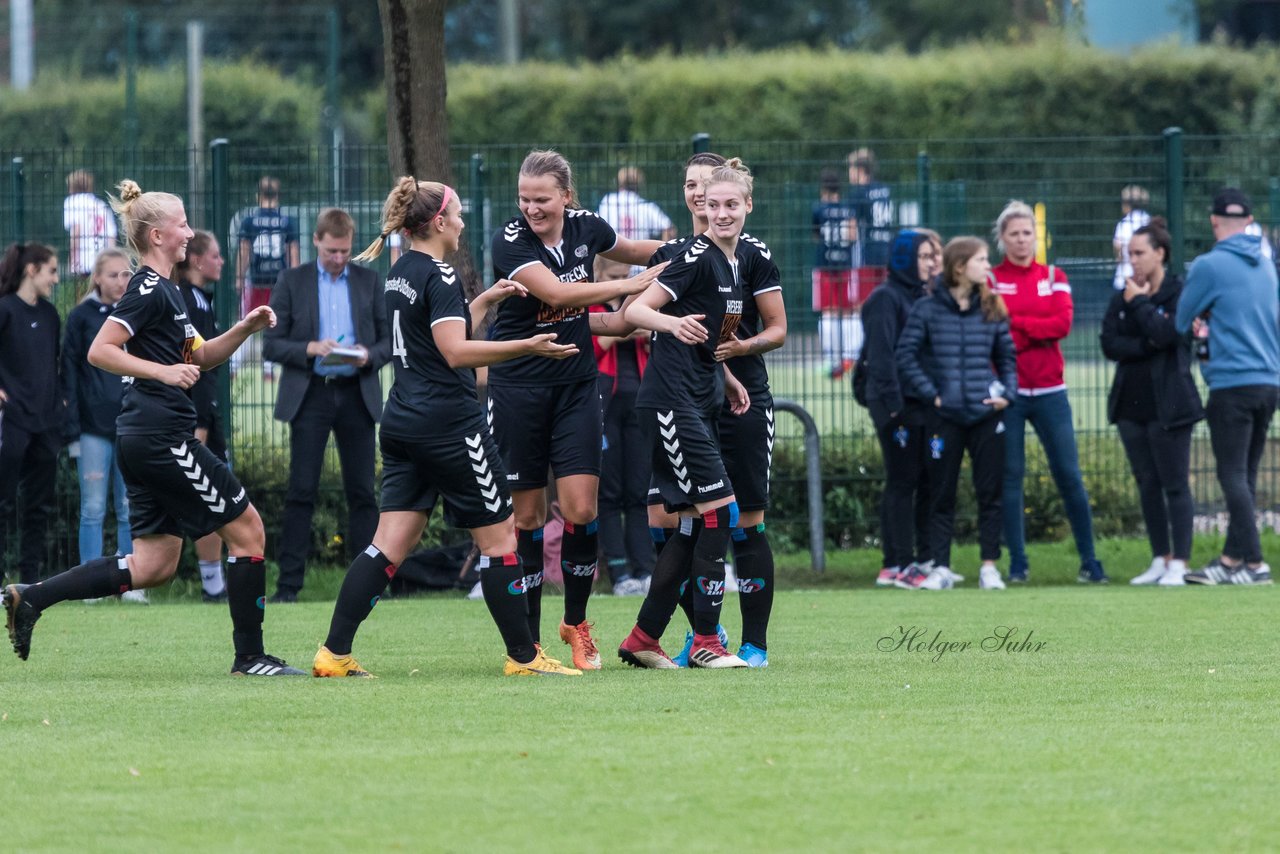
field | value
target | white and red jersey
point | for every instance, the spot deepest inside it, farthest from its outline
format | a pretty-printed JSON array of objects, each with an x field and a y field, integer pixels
[{"x": 1040, "y": 314}]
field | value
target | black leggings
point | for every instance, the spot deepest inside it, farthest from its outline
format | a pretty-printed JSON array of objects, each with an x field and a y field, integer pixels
[
  {"x": 904, "y": 504},
  {"x": 1161, "y": 462}
]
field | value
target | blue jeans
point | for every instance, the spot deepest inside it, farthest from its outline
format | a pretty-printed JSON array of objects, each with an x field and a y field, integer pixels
[
  {"x": 98, "y": 472},
  {"x": 1050, "y": 415}
]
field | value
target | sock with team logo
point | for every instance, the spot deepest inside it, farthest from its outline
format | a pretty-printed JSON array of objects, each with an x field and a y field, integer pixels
[
  {"x": 93, "y": 579},
  {"x": 669, "y": 574},
  {"x": 753, "y": 562},
  {"x": 366, "y": 579},
  {"x": 707, "y": 580},
  {"x": 247, "y": 599},
  {"x": 579, "y": 554},
  {"x": 503, "y": 579},
  {"x": 529, "y": 547}
]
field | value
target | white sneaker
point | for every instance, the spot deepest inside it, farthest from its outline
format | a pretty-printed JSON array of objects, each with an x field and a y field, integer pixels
[
  {"x": 939, "y": 579},
  {"x": 989, "y": 578},
  {"x": 1175, "y": 574},
  {"x": 477, "y": 592},
  {"x": 955, "y": 577},
  {"x": 629, "y": 587},
  {"x": 730, "y": 579},
  {"x": 1153, "y": 573},
  {"x": 137, "y": 597}
]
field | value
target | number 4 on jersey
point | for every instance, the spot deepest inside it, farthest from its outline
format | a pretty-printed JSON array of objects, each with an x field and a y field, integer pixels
[{"x": 397, "y": 340}]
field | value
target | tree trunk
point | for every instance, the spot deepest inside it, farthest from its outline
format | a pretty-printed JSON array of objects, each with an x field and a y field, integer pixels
[{"x": 417, "y": 125}]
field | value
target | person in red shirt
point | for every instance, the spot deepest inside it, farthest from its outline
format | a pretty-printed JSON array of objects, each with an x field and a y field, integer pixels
[{"x": 1040, "y": 313}]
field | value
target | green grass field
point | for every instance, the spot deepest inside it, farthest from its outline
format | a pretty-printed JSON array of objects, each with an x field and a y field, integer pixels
[{"x": 1146, "y": 720}]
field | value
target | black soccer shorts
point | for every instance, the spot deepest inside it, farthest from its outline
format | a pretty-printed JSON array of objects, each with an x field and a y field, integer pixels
[
  {"x": 177, "y": 486},
  {"x": 687, "y": 468},
  {"x": 464, "y": 470},
  {"x": 746, "y": 446},
  {"x": 558, "y": 426}
]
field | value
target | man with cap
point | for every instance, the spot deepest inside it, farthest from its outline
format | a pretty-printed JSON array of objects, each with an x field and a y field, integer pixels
[{"x": 1232, "y": 289}]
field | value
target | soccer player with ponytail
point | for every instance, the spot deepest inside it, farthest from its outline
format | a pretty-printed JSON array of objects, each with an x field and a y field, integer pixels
[
  {"x": 177, "y": 487},
  {"x": 435, "y": 442},
  {"x": 694, "y": 308}
]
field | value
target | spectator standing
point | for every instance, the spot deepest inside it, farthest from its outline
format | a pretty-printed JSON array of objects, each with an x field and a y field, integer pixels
[
  {"x": 899, "y": 420},
  {"x": 632, "y": 215},
  {"x": 1133, "y": 209},
  {"x": 834, "y": 229},
  {"x": 1154, "y": 402},
  {"x": 197, "y": 276},
  {"x": 321, "y": 306},
  {"x": 93, "y": 399},
  {"x": 1040, "y": 308},
  {"x": 624, "y": 464},
  {"x": 1233, "y": 290},
  {"x": 956, "y": 354},
  {"x": 31, "y": 413},
  {"x": 872, "y": 202},
  {"x": 88, "y": 220},
  {"x": 268, "y": 245}
]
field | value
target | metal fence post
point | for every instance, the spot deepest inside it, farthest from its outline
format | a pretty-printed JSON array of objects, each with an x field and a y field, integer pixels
[
  {"x": 333, "y": 103},
  {"x": 1174, "y": 184},
  {"x": 131, "y": 91},
  {"x": 19, "y": 200},
  {"x": 225, "y": 297},
  {"x": 701, "y": 143},
  {"x": 922, "y": 186},
  {"x": 479, "y": 215},
  {"x": 813, "y": 480}
]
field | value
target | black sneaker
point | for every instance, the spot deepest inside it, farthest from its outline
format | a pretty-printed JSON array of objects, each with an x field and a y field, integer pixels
[
  {"x": 263, "y": 665},
  {"x": 1091, "y": 572},
  {"x": 20, "y": 619},
  {"x": 283, "y": 597}
]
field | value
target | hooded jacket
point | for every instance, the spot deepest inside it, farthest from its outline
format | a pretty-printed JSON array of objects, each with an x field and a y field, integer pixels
[
  {"x": 956, "y": 356},
  {"x": 1237, "y": 287},
  {"x": 92, "y": 394},
  {"x": 884, "y": 314},
  {"x": 1142, "y": 333}
]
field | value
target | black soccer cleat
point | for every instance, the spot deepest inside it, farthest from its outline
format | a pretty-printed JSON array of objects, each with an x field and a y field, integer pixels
[
  {"x": 20, "y": 619},
  {"x": 263, "y": 665}
]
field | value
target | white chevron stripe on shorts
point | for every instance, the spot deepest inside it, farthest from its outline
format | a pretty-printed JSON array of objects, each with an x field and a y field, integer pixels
[
  {"x": 768, "y": 428},
  {"x": 483, "y": 474},
  {"x": 671, "y": 444},
  {"x": 199, "y": 480}
]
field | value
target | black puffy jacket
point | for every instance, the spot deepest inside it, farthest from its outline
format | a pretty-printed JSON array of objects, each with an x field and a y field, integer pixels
[
  {"x": 957, "y": 356},
  {"x": 1143, "y": 331},
  {"x": 884, "y": 314},
  {"x": 92, "y": 394}
]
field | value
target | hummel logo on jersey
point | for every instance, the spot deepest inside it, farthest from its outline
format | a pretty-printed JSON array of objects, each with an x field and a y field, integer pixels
[
  {"x": 511, "y": 233},
  {"x": 447, "y": 274},
  {"x": 199, "y": 480},
  {"x": 149, "y": 283},
  {"x": 699, "y": 246},
  {"x": 710, "y": 486},
  {"x": 759, "y": 244},
  {"x": 483, "y": 475}
]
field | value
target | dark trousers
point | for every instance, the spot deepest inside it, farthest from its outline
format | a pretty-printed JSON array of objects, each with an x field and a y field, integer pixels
[
  {"x": 947, "y": 443},
  {"x": 335, "y": 407},
  {"x": 904, "y": 505},
  {"x": 28, "y": 465},
  {"x": 1161, "y": 463},
  {"x": 1238, "y": 420},
  {"x": 624, "y": 486}
]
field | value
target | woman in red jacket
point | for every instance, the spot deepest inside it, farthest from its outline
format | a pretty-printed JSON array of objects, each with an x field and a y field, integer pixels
[{"x": 1040, "y": 313}]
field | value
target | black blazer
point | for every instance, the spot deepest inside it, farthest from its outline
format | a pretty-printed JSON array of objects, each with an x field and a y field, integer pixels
[
  {"x": 296, "y": 302},
  {"x": 1143, "y": 331}
]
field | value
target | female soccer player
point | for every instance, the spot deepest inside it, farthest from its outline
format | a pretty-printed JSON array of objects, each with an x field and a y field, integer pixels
[
  {"x": 31, "y": 410},
  {"x": 694, "y": 308},
  {"x": 1040, "y": 312},
  {"x": 435, "y": 443},
  {"x": 197, "y": 275},
  {"x": 176, "y": 486},
  {"x": 547, "y": 413},
  {"x": 955, "y": 355}
]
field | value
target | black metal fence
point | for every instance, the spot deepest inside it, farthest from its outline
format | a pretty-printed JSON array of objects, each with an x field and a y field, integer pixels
[{"x": 956, "y": 187}]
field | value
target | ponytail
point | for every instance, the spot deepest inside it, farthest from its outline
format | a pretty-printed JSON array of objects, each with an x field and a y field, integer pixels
[{"x": 412, "y": 206}]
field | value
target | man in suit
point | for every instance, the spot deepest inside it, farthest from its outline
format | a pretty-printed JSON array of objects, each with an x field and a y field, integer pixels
[{"x": 321, "y": 306}]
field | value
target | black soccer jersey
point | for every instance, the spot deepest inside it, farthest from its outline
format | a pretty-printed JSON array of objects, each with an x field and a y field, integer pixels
[
  {"x": 701, "y": 280},
  {"x": 428, "y": 397},
  {"x": 156, "y": 317},
  {"x": 759, "y": 275},
  {"x": 572, "y": 260}
]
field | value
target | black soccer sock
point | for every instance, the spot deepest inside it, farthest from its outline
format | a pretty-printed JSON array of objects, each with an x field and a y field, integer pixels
[
  {"x": 529, "y": 548},
  {"x": 753, "y": 562},
  {"x": 707, "y": 581},
  {"x": 579, "y": 554},
  {"x": 503, "y": 581},
  {"x": 362, "y": 587},
  {"x": 247, "y": 599},
  {"x": 93, "y": 579},
  {"x": 662, "y": 536},
  {"x": 686, "y": 589},
  {"x": 669, "y": 576}
]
